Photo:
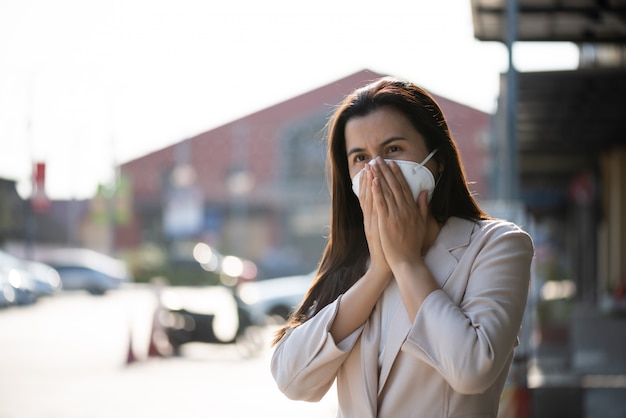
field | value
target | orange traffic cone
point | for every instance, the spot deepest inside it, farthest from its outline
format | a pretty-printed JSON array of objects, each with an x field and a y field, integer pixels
[
  {"x": 130, "y": 356},
  {"x": 153, "y": 349}
]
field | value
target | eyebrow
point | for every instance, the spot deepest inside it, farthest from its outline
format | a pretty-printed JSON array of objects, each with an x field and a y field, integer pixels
[{"x": 385, "y": 142}]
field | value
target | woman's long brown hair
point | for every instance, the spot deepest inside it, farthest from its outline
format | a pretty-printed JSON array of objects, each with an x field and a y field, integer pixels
[{"x": 345, "y": 256}]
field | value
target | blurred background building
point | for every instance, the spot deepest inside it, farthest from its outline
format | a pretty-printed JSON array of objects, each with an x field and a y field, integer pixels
[{"x": 256, "y": 186}]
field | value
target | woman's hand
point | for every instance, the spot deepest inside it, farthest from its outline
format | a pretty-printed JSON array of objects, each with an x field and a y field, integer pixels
[
  {"x": 371, "y": 223},
  {"x": 402, "y": 222},
  {"x": 404, "y": 234},
  {"x": 357, "y": 303}
]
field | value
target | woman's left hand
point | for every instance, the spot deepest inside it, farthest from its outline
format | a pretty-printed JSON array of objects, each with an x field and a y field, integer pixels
[
  {"x": 402, "y": 221},
  {"x": 403, "y": 225}
]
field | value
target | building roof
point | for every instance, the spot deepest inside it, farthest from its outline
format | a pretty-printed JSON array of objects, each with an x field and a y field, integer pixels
[{"x": 213, "y": 153}]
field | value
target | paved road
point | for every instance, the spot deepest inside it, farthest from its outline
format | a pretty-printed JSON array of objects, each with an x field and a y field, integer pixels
[{"x": 66, "y": 357}]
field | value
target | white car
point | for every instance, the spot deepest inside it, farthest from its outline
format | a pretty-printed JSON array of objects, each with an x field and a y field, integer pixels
[
  {"x": 83, "y": 269},
  {"x": 273, "y": 300}
]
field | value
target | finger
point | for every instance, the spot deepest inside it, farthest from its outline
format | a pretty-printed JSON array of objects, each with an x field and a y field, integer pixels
[
  {"x": 382, "y": 175},
  {"x": 362, "y": 186},
  {"x": 403, "y": 190},
  {"x": 365, "y": 199},
  {"x": 367, "y": 202},
  {"x": 365, "y": 193},
  {"x": 380, "y": 193},
  {"x": 422, "y": 204},
  {"x": 397, "y": 185}
]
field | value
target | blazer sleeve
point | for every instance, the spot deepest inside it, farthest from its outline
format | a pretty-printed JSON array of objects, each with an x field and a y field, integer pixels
[
  {"x": 306, "y": 360},
  {"x": 470, "y": 343}
]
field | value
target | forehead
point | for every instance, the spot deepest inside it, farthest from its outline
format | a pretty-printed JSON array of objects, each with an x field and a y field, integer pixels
[{"x": 377, "y": 126}]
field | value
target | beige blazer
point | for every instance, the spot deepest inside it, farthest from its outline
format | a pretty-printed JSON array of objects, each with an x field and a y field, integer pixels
[{"x": 451, "y": 362}]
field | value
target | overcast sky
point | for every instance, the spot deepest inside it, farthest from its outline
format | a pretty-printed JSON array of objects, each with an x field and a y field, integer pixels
[{"x": 87, "y": 84}]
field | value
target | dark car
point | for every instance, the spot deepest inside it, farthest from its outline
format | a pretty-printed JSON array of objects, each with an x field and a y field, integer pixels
[{"x": 210, "y": 314}]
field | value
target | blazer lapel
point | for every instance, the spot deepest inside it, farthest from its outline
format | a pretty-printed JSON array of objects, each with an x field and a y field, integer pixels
[
  {"x": 370, "y": 341},
  {"x": 440, "y": 259},
  {"x": 398, "y": 330},
  {"x": 441, "y": 262}
]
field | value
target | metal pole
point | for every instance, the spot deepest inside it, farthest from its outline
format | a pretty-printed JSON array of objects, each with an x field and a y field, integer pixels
[
  {"x": 519, "y": 371},
  {"x": 512, "y": 191}
]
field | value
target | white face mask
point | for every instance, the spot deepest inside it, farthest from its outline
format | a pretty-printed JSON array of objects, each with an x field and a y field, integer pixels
[{"x": 417, "y": 176}]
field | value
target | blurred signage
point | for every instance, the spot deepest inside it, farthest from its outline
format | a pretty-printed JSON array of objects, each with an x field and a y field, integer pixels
[
  {"x": 183, "y": 213},
  {"x": 123, "y": 200},
  {"x": 39, "y": 201},
  {"x": 582, "y": 189},
  {"x": 113, "y": 203}
]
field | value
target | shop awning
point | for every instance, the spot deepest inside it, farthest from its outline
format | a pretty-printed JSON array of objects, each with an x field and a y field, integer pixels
[
  {"x": 564, "y": 118},
  {"x": 578, "y": 21}
]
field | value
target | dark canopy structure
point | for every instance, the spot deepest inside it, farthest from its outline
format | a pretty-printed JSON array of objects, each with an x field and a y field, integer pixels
[
  {"x": 563, "y": 119},
  {"x": 579, "y": 21}
]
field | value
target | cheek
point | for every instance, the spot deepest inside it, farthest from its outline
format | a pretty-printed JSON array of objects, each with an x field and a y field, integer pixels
[{"x": 354, "y": 171}]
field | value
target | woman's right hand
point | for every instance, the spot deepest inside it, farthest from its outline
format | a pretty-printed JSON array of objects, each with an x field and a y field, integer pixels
[
  {"x": 358, "y": 301},
  {"x": 378, "y": 263}
]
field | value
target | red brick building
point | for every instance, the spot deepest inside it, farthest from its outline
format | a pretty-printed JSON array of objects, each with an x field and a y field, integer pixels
[{"x": 255, "y": 187}]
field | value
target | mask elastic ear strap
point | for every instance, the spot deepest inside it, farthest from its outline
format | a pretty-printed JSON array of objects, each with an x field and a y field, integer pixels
[
  {"x": 433, "y": 152},
  {"x": 438, "y": 178}
]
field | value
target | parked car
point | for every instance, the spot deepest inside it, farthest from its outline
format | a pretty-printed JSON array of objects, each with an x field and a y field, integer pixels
[
  {"x": 46, "y": 280},
  {"x": 7, "y": 290},
  {"x": 84, "y": 269},
  {"x": 273, "y": 300},
  {"x": 29, "y": 280}
]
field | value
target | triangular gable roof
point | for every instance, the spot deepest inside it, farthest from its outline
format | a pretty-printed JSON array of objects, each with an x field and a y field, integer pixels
[
  {"x": 213, "y": 150},
  {"x": 330, "y": 94}
]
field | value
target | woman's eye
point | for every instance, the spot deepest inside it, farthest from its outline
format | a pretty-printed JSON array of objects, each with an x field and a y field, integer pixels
[
  {"x": 359, "y": 158},
  {"x": 393, "y": 149}
]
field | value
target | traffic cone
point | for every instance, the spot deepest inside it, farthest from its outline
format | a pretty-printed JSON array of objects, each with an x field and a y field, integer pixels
[
  {"x": 153, "y": 349},
  {"x": 130, "y": 355}
]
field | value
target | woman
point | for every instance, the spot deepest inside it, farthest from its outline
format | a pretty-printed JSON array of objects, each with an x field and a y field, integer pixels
[{"x": 418, "y": 299}]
